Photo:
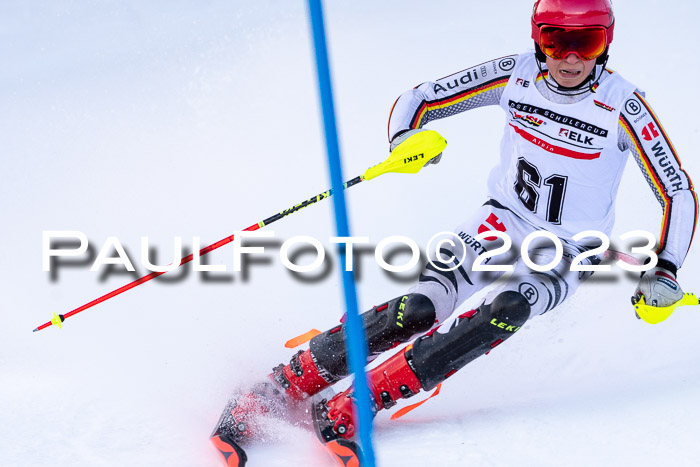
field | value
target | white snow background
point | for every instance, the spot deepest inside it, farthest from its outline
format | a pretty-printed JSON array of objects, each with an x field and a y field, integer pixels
[{"x": 177, "y": 118}]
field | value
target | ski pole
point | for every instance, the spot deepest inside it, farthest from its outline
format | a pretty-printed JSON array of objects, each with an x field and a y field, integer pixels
[
  {"x": 409, "y": 157},
  {"x": 649, "y": 313},
  {"x": 656, "y": 314}
]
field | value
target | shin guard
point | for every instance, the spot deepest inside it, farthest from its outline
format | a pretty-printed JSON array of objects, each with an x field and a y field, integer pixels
[
  {"x": 439, "y": 354},
  {"x": 385, "y": 326}
]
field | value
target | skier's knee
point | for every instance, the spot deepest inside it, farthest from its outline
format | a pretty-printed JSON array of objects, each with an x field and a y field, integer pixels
[
  {"x": 438, "y": 355},
  {"x": 440, "y": 292},
  {"x": 400, "y": 318},
  {"x": 385, "y": 326},
  {"x": 510, "y": 307}
]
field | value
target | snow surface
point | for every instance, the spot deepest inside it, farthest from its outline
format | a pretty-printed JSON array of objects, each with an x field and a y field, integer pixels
[{"x": 126, "y": 118}]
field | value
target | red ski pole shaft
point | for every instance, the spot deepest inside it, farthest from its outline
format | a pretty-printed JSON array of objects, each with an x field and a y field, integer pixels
[
  {"x": 60, "y": 318},
  {"x": 409, "y": 157}
]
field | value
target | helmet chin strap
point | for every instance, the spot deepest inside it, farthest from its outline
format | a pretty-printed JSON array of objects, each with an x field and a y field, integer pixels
[{"x": 587, "y": 85}]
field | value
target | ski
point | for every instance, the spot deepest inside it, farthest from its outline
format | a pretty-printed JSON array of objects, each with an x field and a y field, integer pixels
[
  {"x": 232, "y": 452},
  {"x": 228, "y": 434},
  {"x": 242, "y": 420},
  {"x": 345, "y": 452}
]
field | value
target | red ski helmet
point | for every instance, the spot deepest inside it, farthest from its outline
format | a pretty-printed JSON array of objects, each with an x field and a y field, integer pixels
[{"x": 573, "y": 14}]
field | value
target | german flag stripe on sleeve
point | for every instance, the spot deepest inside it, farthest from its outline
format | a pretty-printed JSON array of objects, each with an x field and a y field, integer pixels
[
  {"x": 388, "y": 123},
  {"x": 695, "y": 219},
  {"x": 675, "y": 155},
  {"x": 654, "y": 177},
  {"x": 463, "y": 96}
]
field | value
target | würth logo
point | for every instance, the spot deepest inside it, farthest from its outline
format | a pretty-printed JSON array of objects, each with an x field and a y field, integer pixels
[{"x": 649, "y": 132}]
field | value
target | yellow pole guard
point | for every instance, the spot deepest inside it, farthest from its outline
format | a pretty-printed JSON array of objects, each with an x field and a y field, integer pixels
[
  {"x": 56, "y": 321},
  {"x": 657, "y": 314},
  {"x": 411, "y": 155}
]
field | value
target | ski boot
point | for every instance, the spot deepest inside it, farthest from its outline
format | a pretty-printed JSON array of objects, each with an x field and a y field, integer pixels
[
  {"x": 244, "y": 418},
  {"x": 325, "y": 362},
  {"x": 392, "y": 380},
  {"x": 301, "y": 377},
  {"x": 313, "y": 370},
  {"x": 430, "y": 360}
]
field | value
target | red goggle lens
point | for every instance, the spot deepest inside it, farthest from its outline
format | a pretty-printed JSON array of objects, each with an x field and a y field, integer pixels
[{"x": 558, "y": 43}]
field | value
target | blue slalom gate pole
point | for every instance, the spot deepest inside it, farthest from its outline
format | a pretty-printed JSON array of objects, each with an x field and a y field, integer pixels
[{"x": 357, "y": 345}]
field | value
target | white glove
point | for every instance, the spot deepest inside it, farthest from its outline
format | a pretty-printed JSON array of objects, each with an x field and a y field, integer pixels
[
  {"x": 407, "y": 134},
  {"x": 659, "y": 287}
]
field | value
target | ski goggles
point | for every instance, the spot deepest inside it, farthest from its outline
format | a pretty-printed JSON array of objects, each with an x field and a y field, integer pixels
[{"x": 585, "y": 42}]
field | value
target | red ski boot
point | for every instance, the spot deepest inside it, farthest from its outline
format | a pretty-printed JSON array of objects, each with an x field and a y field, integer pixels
[
  {"x": 300, "y": 378},
  {"x": 390, "y": 381},
  {"x": 276, "y": 397},
  {"x": 325, "y": 362}
]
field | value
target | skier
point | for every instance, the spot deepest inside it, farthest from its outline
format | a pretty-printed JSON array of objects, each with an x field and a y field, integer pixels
[{"x": 570, "y": 123}]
